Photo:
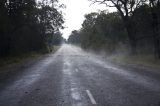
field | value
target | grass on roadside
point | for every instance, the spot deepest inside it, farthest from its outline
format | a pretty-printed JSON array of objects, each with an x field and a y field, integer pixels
[
  {"x": 53, "y": 48},
  {"x": 144, "y": 60},
  {"x": 4, "y": 61},
  {"x": 17, "y": 58}
]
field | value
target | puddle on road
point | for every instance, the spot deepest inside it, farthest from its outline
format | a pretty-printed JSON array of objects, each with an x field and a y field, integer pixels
[
  {"x": 78, "y": 104},
  {"x": 75, "y": 94},
  {"x": 67, "y": 69}
]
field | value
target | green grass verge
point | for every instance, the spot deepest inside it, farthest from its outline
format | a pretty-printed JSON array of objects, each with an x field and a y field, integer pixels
[
  {"x": 53, "y": 48},
  {"x": 16, "y": 59},
  {"x": 144, "y": 60},
  {"x": 4, "y": 61}
]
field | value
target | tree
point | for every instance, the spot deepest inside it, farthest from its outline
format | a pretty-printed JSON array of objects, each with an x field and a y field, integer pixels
[
  {"x": 50, "y": 20},
  {"x": 57, "y": 39},
  {"x": 155, "y": 9},
  {"x": 100, "y": 31},
  {"x": 27, "y": 25},
  {"x": 74, "y": 38},
  {"x": 126, "y": 9}
]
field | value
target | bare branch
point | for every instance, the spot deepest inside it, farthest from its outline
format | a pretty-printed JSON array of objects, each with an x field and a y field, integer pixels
[
  {"x": 125, "y": 7},
  {"x": 101, "y": 2}
]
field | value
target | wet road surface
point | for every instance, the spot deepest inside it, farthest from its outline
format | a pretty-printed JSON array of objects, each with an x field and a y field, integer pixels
[{"x": 72, "y": 77}]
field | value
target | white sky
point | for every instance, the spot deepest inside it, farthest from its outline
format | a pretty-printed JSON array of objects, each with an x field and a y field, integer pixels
[{"x": 75, "y": 11}]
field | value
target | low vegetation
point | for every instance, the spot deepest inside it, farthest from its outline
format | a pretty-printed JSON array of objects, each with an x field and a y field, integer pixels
[
  {"x": 137, "y": 60},
  {"x": 10, "y": 60}
]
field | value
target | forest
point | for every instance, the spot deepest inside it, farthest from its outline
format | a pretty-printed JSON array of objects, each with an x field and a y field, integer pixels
[
  {"x": 133, "y": 30},
  {"x": 29, "y": 25}
]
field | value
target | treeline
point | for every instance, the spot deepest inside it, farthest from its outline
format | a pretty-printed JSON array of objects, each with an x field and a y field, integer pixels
[
  {"x": 128, "y": 31},
  {"x": 100, "y": 31},
  {"x": 28, "y": 25}
]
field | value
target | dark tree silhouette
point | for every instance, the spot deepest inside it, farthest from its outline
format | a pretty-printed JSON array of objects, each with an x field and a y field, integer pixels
[
  {"x": 126, "y": 9},
  {"x": 155, "y": 9},
  {"x": 26, "y": 25}
]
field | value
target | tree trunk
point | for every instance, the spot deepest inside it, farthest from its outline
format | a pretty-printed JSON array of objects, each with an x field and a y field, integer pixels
[
  {"x": 156, "y": 34},
  {"x": 157, "y": 47},
  {"x": 131, "y": 36}
]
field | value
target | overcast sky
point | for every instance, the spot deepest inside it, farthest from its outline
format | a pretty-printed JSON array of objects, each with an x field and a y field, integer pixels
[{"x": 75, "y": 11}]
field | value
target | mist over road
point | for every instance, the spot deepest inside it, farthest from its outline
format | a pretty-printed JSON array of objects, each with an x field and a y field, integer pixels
[{"x": 72, "y": 77}]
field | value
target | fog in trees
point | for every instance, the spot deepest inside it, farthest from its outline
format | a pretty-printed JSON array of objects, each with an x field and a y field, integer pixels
[{"x": 132, "y": 30}]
